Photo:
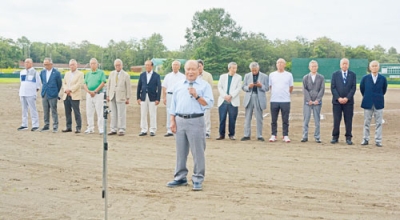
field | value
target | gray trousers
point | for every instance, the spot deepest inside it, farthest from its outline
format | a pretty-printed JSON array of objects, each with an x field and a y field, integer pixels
[
  {"x": 29, "y": 102},
  {"x": 50, "y": 104},
  {"x": 316, "y": 111},
  {"x": 284, "y": 107},
  {"x": 190, "y": 134},
  {"x": 378, "y": 114},
  {"x": 118, "y": 116},
  {"x": 253, "y": 105},
  {"x": 72, "y": 105},
  {"x": 169, "y": 98}
]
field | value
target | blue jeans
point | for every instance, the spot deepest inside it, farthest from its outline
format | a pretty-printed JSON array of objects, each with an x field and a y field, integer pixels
[{"x": 232, "y": 111}]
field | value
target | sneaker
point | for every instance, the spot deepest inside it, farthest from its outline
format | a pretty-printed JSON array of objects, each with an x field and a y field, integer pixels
[
  {"x": 55, "y": 130},
  {"x": 318, "y": 140},
  {"x": 44, "y": 129},
  {"x": 272, "y": 139},
  {"x": 286, "y": 139},
  {"x": 152, "y": 134},
  {"x": 88, "y": 131},
  {"x": 176, "y": 183},
  {"x": 197, "y": 186},
  {"x": 208, "y": 136},
  {"x": 101, "y": 132},
  {"x": 35, "y": 129}
]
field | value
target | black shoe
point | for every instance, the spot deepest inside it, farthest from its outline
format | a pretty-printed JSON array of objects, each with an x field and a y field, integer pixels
[
  {"x": 35, "y": 129},
  {"x": 112, "y": 133},
  {"x": 22, "y": 128},
  {"x": 197, "y": 186},
  {"x": 168, "y": 135},
  {"x": 260, "y": 139},
  {"x": 318, "y": 140},
  {"x": 78, "y": 131},
  {"x": 67, "y": 130},
  {"x": 143, "y": 134},
  {"x": 364, "y": 142},
  {"x": 349, "y": 142},
  {"x": 44, "y": 129},
  {"x": 245, "y": 139},
  {"x": 334, "y": 141},
  {"x": 304, "y": 140},
  {"x": 152, "y": 134},
  {"x": 175, "y": 183},
  {"x": 378, "y": 144},
  {"x": 220, "y": 138}
]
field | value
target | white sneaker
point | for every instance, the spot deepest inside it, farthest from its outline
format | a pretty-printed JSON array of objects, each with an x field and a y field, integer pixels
[
  {"x": 286, "y": 139},
  {"x": 88, "y": 131},
  {"x": 272, "y": 139}
]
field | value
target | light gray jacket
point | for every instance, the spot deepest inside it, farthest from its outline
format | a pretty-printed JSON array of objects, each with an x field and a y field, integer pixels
[
  {"x": 313, "y": 90},
  {"x": 262, "y": 98}
]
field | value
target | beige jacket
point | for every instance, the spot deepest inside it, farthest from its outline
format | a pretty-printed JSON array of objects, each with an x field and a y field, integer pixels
[
  {"x": 207, "y": 77},
  {"x": 74, "y": 84},
  {"x": 122, "y": 89}
]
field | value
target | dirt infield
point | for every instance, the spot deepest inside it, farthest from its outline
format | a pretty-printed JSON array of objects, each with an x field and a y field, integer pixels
[{"x": 59, "y": 176}]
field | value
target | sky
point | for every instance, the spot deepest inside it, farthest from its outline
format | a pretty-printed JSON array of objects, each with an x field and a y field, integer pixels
[{"x": 350, "y": 22}]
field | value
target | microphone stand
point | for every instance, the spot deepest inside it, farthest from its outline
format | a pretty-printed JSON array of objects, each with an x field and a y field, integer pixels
[{"x": 105, "y": 149}]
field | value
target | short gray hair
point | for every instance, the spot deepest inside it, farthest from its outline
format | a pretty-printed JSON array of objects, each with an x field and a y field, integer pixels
[
  {"x": 72, "y": 61},
  {"x": 312, "y": 61},
  {"x": 374, "y": 61},
  {"x": 344, "y": 59},
  {"x": 118, "y": 60},
  {"x": 176, "y": 61},
  {"x": 48, "y": 59},
  {"x": 281, "y": 59},
  {"x": 231, "y": 64},
  {"x": 94, "y": 59},
  {"x": 254, "y": 65}
]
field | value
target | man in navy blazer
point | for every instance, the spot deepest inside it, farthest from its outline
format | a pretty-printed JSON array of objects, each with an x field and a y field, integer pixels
[
  {"x": 343, "y": 88},
  {"x": 373, "y": 88},
  {"x": 51, "y": 85},
  {"x": 148, "y": 97}
]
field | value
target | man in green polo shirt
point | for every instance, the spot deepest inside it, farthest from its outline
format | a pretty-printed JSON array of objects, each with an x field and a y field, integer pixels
[{"x": 94, "y": 82}]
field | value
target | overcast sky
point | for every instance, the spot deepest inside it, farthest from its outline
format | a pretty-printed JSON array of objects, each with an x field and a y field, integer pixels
[{"x": 350, "y": 22}]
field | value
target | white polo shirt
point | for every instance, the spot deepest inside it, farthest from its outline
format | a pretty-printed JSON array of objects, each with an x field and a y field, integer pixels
[{"x": 30, "y": 82}]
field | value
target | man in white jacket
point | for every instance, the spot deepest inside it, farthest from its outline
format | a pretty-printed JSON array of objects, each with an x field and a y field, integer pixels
[{"x": 229, "y": 86}]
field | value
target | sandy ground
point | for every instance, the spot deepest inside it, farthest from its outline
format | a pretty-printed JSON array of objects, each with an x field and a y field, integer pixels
[{"x": 59, "y": 176}]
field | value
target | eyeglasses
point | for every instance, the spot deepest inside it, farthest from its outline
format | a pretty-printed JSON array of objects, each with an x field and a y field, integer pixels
[{"x": 46, "y": 64}]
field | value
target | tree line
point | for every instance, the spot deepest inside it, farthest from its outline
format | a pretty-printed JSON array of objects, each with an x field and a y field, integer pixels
[{"x": 213, "y": 36}]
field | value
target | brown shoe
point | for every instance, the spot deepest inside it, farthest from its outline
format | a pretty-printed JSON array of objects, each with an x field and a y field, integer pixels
[
  {"x": 221, "y": 138},
  {"x": 112, "y": 133}
]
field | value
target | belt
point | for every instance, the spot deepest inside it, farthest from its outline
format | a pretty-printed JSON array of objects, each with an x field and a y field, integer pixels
[
  {"x": 169, "y": 92},
  {"x": 190, "y": 115}
]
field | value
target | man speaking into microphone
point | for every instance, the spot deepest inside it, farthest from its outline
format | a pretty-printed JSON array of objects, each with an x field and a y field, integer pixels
[{"x": 191, "y": 97}]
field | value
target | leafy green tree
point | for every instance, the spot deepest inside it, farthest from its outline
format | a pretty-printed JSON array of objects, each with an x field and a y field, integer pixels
[{"x": 214, "y": 22}]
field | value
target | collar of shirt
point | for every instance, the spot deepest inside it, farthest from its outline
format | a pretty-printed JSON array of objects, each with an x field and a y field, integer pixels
[{"x": 149, "y": 73}]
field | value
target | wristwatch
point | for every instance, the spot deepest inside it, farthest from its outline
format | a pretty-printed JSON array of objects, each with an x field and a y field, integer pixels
[{"x": 197, "y": 97}]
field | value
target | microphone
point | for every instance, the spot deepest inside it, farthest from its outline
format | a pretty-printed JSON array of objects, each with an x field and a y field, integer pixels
[{"x": 191, "y": 86}]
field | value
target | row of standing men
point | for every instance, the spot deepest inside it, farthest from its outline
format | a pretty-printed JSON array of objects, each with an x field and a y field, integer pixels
[
  {"x": 188, "y": 97},
  {"x": 255, "y": 85}
]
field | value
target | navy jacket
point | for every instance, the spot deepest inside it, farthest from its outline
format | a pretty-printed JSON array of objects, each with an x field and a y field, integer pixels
[
  {"x": 341, "y": 90},
  {"x": 53, "y": 86},
  {"x": 373, "y": 93},
  {"x": 153, "y": 89}
]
